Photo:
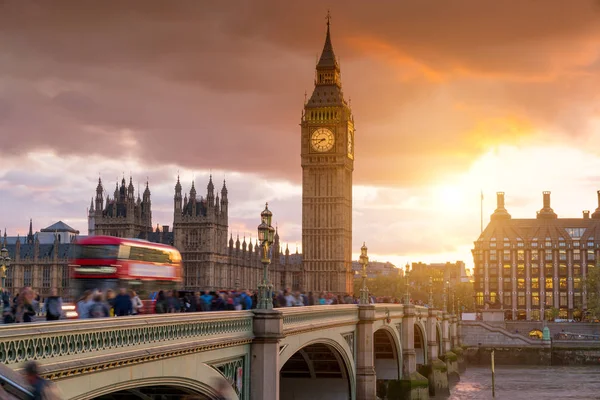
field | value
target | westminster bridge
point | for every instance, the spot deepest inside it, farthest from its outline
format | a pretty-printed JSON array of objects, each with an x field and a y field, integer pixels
[{"x": 317, "y": 352}]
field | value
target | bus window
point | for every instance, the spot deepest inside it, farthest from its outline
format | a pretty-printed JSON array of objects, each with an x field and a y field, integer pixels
[
  {"x": 95, "y": 251},
  {"x": 124, "y": 251}
]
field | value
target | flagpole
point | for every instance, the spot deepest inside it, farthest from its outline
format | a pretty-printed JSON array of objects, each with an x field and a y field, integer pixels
[{"x": 481, "y": 209}]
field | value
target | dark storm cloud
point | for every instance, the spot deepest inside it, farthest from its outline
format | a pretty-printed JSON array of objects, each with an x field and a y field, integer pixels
[{"x": 220, "y": 84}]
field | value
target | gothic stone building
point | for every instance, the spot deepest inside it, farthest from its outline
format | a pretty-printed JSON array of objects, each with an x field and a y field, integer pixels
[
  {"x": 535, "y": 268},
  {"x": 40, "y": 260},
  {"x": 200, "y": 231}
]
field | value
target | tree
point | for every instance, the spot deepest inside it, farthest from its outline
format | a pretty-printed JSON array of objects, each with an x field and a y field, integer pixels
[{"x": 592, "y": 285}]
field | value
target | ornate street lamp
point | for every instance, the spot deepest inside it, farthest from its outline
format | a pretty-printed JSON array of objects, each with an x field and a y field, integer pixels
[
  {"x": 406, "y": 284},
  {"x": 4, "y": 265},
  {"x": 445, "y": 295},
  {"x": 430, "y": 292},
  {"x": 364, "y": 261},
  {"x": 266, "y": 235}
]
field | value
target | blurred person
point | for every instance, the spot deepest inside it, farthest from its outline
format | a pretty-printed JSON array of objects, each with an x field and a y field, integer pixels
[
  {"x": 136, "y": 303},
  {"x": 290, "y": 299},
  {"x": 83, "y": 305},
  {"x": 206, "y": 301},
  {"x": 194, "y": 302},
  {"x": 161, "y": 306},
  {"x": 174, "y": 304},
  {"x": 42, "y": 389},
  {"x": 98, "y": 308},
  {"x": 24, "y": 309},
  {"x": 110, "y": 301},
  {"x": 53, "y": 306},
  {"x": 122, "y": 304},
  {"x": 311, "y": 299}
]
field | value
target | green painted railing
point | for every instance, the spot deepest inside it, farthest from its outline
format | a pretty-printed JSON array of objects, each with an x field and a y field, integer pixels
[{"x": 298, "y": 319}]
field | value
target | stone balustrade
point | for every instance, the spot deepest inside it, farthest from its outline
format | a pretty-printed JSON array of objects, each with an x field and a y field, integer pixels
[
  {"x": 84, "y": 343},
  {"x": 301, "y": 319}
]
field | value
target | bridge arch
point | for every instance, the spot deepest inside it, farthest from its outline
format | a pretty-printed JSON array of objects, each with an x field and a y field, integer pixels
[
  {"x": 201, "y": 380},
  {"x": 318, "y": 364},
  {"x": 420, "y": 342}
]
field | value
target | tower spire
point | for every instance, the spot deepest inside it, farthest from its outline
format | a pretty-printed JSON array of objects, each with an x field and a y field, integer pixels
[{"x": 328, "y": 59}]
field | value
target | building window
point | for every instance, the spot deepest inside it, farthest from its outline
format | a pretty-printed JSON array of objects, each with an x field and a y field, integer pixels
[
  {"x": 575, "y": 233},
  {"x": 590, "y": 255},
  {"x": 520, "y": 283},
  {"x": 576, "y": 254},
  {"x": 562, "y": 255},
  {"x": 506, "y": 255},
  {"x": 9, "y": 278},
  {"x": 535, "y": 270},
  {"x": 548, "y": 243},
  {"x": 507, "y": 299},
  {"x": 493, "y": 255},
  {"x": 493, "y": 270},
  {"x": 521, "y": 255},
  {"x": 521, "y": 270},
  {"x": 562, "y": 270},
  {"x": 507, "y": 285},
  {"x": 561, "y": 243},
  {"x": 479, "y": 298},
  {"x": 577, "y": 283},
  {"x": 562, "y": 283},
  {"x": 520, "y": 243},
  {"x": 506, "y": 270},
  {"x": 577, "y": 303},
  {"x": 535, "y": 299},
  {"x": 548, "y": 283},
  {"x": 548, "y": 255},
  {"x": 549, "y": 270},
  {"x": 65, "y": 276},
  {"x": 27, "y": 276},
  {"x": 576, "y": 270},
  {"x": 549, "y": 300},
  {"x": 575, "y": 244},
  {"x": 46, "y": 278},
  {"x": 494, "y": 285},
  {"x": 521, "y": 299},
  {"x": 535, "y": 283},
  {"x": 535, "y": 255},
  {"x": 563, "y": 299},
  {"x": 535, "y": 315},
  {"x": 534, "y": 244}
]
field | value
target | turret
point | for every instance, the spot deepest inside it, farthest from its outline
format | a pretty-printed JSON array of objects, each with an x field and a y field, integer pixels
[
  {"x": 237, "y": 243},
  {"x": 177, "y": 200},
  {"x": 30, "y": 238},
  {"x": 224, "y": 200},
  {"x": 130, "y": 191},
  {"x": 18, "y": 248},
  {"x": 546, "y": 212},
  {"x": 210, "y": 192},
  {"x": 99, "y": 196},
  {"x": 91, "y": 219}
]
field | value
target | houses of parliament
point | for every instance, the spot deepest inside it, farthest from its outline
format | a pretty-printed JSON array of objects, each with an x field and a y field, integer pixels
[{"x": 210, "y": 256}]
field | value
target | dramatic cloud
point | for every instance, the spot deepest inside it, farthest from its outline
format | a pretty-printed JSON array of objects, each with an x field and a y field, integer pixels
[{"x": 439, "y": 91}]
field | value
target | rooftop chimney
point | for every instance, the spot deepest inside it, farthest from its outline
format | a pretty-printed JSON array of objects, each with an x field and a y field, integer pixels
[
  {"x": 500, "y": 212},
  {"x": 547, "y": 212},
  {"x": 165, "y": 228},
  {"x": 586, "y": 214}
]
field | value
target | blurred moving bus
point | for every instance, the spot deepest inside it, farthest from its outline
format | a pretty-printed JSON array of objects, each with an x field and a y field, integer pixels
[{"x": 108, "y": 262}]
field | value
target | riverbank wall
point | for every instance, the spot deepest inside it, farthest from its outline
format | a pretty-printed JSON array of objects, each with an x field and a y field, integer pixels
[{"x": 480, "y": 339}]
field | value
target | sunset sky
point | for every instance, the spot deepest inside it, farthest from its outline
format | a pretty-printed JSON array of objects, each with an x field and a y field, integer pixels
[{"x": 449, "y": 98}]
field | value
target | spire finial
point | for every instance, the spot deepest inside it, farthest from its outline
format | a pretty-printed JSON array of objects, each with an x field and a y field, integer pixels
[{"x": 328, "y": 18}]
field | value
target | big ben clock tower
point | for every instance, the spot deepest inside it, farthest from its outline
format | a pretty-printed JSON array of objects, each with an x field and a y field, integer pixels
[{"x": 327, "y": 153}]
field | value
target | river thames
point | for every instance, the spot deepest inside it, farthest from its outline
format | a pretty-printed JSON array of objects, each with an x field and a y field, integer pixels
[{"x": 516, "y": 383}]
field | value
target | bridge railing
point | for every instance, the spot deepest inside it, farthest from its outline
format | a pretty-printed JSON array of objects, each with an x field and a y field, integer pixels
[
  {"x": 100, "y": 340},
  {"x": 299, "y": 319}
]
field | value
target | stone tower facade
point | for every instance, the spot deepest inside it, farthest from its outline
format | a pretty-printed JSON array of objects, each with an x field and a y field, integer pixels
[
  {"x": 327, "y": 154},
  {"x": 122, "y": 215},
  {"x": 200, "y": 228}
]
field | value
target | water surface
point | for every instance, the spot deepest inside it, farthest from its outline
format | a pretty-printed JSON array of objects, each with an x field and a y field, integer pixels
[{"x": 529, "y": 382}]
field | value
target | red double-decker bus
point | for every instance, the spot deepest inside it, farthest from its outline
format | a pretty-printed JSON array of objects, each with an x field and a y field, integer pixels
[{"x": 108, "y": 262}]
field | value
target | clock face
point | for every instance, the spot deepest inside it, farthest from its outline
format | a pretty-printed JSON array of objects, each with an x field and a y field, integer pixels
[{"x": 322, "y": 140}]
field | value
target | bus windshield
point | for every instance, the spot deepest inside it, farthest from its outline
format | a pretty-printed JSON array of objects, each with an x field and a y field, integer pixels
[{"x": 96, "y": 252}]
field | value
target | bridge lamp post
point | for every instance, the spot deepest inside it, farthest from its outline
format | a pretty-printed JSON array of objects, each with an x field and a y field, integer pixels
[
  {"x": 266, "y": 235},
  {"x": 4, "y": 265},
  {"x": 445, "y": 296},
  {"x": 452, "y": 299},
  {"x": 430, "y": 301},
  {"x": 364, "y": 261},
  {"x": 406, "y": 284}
]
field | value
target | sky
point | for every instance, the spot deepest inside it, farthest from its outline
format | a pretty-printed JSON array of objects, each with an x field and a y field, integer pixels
[{"x": 450, "y": 99}]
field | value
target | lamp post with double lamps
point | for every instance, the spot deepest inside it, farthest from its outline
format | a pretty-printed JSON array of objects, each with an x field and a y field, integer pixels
[
  {"x": 266, "y": 234},
  {"x": 364, "y": 261},
  {"x": 4, "y": 265},
  {"x": 430, "y": 301},
  {"x": 406, "y": 284}
]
